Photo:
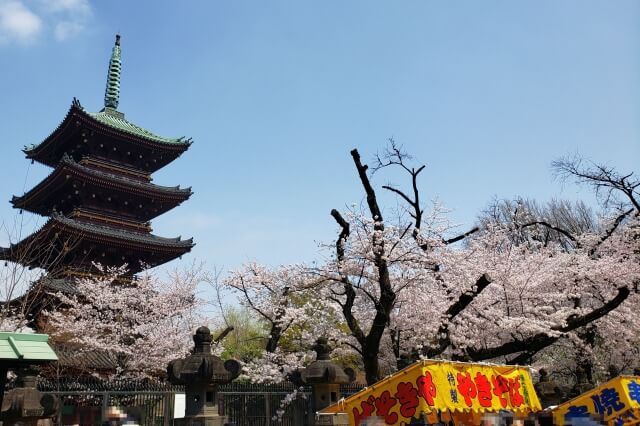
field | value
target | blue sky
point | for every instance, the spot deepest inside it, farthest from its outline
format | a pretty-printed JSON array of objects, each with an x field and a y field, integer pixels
[{"x": 275, "y": 94}]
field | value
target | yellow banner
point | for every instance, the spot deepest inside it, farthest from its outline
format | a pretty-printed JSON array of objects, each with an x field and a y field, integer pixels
[
  {"x": 617, "y": 402},
  {"x": 432, "y": 387}
]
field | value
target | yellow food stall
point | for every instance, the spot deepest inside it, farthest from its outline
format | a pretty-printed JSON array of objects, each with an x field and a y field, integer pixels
[
  {"x": 443, "y": 391},
  {"x": 616, "y": 402}
]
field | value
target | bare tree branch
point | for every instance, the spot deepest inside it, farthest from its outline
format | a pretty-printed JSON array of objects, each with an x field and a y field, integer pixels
[
  {"x": 461, "y": 236},
  {"x": 602, "y": 178},
  {"x": 548, "y": 225},
  {"x": 465, "y": 299}
]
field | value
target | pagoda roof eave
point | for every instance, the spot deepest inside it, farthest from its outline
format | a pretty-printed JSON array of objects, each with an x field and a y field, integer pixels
[
  {"x": 95, "y": 231},
  {"x": 67, "y": 166},
  {"x": 63, "y": 227},
  {"x": 110, "y": 123}
]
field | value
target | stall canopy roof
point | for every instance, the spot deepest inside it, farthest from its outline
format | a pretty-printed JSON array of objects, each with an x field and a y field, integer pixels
[
  {"x": 433, "y": 386},
  {"x": 617, "y": 402},
  {"x": 24, "y": 348}
]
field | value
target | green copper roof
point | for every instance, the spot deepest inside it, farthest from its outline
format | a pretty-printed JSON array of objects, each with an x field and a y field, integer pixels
[
  {"x": 109, "y": 115},
  {"x": 25, "y": 347},
  {"x": 112, "y": 92},
  {"x": 112, "y": 118}
]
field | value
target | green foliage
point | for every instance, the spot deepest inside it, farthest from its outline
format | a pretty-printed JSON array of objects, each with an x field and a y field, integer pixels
[{"x": 247, "y": 340}]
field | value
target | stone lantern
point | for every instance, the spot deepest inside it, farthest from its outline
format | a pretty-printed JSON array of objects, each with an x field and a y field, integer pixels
[
  {"x": 548, "y": 391},
  {"x": 201, "y": 373},
  {"x": 25, "y": 404},
  {"x": 325, "y": 378}
]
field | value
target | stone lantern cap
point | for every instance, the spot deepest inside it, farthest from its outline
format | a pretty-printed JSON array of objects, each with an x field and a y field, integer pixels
[
  {"x": 202, "y": 367},
  {"x": 323, "y": 370},
  {"x": 25, "y": 401}
]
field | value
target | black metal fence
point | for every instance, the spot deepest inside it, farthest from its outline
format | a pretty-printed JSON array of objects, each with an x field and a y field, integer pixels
[
  {"x": 266, "y": 405},
  {"x": 85, "y": 401},
  {"x": 350, "y": 389},
  {"x": 259, "y": 404}
]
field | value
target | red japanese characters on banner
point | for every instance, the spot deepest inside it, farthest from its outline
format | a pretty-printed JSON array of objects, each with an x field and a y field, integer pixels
[
  {"x": 500, "y": 387},
  {"x": 477, "y": 387},
  {"x": 467, "y": 388},
  {"x": 484, "y": 390},
  {"x": 407, "y": 396},
  {"x": 426, "y": 388},
  {"x": 384, "y": 403},
  {"x": 431, "y": 388},
  {"x": 367, "y": 410},
  {"x": 515, "y": 398}
]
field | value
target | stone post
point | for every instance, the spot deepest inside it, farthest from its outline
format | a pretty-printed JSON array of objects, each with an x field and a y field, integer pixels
[
  {"x": 325, "y": 378},
  {"x": 201, "y": 373}
]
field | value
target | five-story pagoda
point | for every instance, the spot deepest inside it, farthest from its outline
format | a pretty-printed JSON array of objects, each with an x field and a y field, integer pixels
[{"x": 100, "y": 197}]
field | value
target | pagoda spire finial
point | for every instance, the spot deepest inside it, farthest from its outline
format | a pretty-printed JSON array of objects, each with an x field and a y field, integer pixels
[{"x": 112, "y": 92}]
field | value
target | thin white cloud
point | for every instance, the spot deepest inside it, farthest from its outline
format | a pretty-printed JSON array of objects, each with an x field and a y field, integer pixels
[
  {"x": 67, "y": 29},
  {"x": 80, "y": 7},
  {"x": 70, "y": 17},
  {"x": 18, "y": 23},
  {"x": 24, "y": 21}
]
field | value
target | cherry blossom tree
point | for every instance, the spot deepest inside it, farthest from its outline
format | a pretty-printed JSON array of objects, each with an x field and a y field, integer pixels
[
  {"x": 21, "y": 288},
  {"x": 140, "y": 324},
  {"x": 412, "y": 287},
  {"x": 286, "y": 301},
  {"x": 550, "y": 254}
]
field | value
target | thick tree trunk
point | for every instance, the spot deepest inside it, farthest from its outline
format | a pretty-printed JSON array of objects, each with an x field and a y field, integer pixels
[
  {"x": 371, "y": 363},
  {"x": 274, "y": 338},
  {"x": 369, "y": 342}
]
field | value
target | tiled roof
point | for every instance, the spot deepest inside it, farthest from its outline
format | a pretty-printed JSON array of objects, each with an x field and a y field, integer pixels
[
  {"x": 63, "y": 285},
  {"x": 67, "y": 160},
  {"x": 101, "y": 176},
  {"x": 109, "y": 115},
  {"x": 111, "y": 119},
  {"x": 116, "y": 120},
  {"x": 119, "y": 233},
  {"x": 99, "y": 360},
  {"x": 93, "y": 231}
]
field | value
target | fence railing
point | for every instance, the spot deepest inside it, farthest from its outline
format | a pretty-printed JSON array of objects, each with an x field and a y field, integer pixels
[
  {"x": 258, "y": 404},
  {"x": 69, "y": 384},
  {"x": 84, "y": 401}
]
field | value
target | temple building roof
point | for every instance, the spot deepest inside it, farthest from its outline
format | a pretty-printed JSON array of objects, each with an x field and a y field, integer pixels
[
  {"x": 70, "y": 235},
  {"x": 45, "y": 196},
  {"x": 95, "y": 231},
  {"x": 107, "y": 123},
  {"x": 63, "y": 285},
  {"x": 114, "y": 119},
  {"x": 83, "y": 132},
  {"x": 86, "y": 360},
  {"x": 109, "y": 115}
]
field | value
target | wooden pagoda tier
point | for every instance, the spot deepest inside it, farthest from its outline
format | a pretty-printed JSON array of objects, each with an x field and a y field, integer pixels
[
  {"x": 102, "y": 187},
  {"x": 108, "y": 136},
  {"x": 76, "y": 243}
]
